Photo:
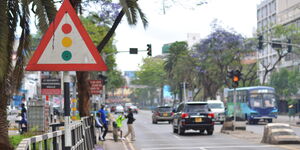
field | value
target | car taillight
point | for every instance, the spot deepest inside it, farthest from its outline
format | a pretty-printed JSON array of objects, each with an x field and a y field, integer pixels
[
  {"x": 211, "y": 115},
  {"x": 157, "y": 113},
  {"x": 172, "y": 113},
  {"x": 184, "y": 115}
]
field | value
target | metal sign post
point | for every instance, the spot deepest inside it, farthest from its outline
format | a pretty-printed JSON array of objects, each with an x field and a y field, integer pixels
[
  {"x": 68, "y": 139},
  {"x": 234, "y": 108}
]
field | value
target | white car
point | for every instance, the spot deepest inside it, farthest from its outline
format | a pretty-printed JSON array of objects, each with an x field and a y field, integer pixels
[
  {"x": 119, "y": 109},
  {"x": 217, "y": 107}
]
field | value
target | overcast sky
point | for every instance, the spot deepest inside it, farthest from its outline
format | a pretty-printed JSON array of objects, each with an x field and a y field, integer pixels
[{"x": 240, "y": 15}]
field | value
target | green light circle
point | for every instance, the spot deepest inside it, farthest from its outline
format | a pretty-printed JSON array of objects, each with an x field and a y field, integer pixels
[{"x": 66, "y": 55}]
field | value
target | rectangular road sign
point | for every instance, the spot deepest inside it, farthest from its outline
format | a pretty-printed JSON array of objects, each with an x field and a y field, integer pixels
[
  {"x": 51, "y": 86},
  {"x": 96, "y": 87}
]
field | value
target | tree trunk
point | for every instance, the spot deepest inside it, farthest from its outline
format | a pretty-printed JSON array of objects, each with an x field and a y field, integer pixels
[
  {"x": 83, "y": 93},
  {"x": 162, "y": 95},
  {"x": 4, "y": 139}
]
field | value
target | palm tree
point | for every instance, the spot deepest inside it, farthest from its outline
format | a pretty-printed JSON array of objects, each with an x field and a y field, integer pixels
[
  {"x": 132, "y": 10},
  {"x": 12, "y": 11}
]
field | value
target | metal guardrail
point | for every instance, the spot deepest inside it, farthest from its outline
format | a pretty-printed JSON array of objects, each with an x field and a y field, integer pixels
[{"x": 82, "y": 133}]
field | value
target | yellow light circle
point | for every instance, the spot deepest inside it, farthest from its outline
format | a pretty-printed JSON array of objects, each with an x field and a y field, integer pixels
[{"x": 66, "y": 42}]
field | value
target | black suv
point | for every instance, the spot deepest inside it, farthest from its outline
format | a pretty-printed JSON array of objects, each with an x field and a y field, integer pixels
[{"x": 195, "y": 116}]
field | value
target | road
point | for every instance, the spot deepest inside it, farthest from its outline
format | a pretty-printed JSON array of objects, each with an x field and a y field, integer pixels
[{"x": 160, "y": 137}]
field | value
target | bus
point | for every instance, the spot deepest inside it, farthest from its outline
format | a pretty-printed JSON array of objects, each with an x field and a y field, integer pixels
[{"x": 252, "y": 104}]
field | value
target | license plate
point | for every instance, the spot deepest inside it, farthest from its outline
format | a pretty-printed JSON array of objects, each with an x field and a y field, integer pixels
[
  {"x": 198, "y": 119},
  {"x": 165, "y": 114}
]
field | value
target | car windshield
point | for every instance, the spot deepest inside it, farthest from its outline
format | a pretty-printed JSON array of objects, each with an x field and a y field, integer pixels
[
  {"x": 216, "y": 105},
  {"x": 262, "y": 100},
  {"x": 164, "y": 109},
  {"x": 196, "y": 108}
]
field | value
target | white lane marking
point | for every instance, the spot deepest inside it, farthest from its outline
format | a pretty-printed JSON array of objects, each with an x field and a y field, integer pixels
[
  {"x": 181, "y": 144},
  {"x": 176, "y": 136},
  {"x": 202, "y": 148},
  {"x": 209, "y": 147},
  {"x": 124, "y": 144}
]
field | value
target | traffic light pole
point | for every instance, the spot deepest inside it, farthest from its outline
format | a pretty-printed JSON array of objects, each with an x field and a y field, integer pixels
[{"x": 234, "y": 108}]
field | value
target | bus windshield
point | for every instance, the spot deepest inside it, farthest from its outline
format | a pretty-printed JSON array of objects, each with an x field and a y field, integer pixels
[{"x": 262, "y": 100}]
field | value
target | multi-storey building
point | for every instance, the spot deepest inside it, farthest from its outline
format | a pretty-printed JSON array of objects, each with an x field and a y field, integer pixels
[{"x": 269, "y": 14}]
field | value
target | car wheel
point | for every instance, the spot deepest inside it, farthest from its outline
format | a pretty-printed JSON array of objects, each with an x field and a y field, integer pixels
[
  {"x": 202, "y": 131},
  {"x": 170, "y": 122},
  {"x": 174, "y": 130},
  {"x": 270, "y": 120},
  {"x": 180, "y": 130},
  {"x": 222, "y": 122},
  {"x": 210, "y": 132}
]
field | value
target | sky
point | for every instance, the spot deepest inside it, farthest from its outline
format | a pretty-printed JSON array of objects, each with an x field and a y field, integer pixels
[{"x": 180, "y": 19}]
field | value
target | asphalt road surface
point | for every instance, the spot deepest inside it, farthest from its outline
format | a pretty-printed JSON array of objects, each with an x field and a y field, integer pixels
[{"x": 160, "y": 137}]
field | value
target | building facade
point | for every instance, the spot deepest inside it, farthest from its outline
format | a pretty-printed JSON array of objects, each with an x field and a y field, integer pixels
[{"x": 269, "y": 14}]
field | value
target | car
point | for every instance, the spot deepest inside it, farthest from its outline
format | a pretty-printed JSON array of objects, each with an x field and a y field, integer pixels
[
  {"x": 217, "y": 107},
  {"x": 127, "y": 105},
  {"x": 119, "y": 109},
  {"x": 193, "y": 116},
  {"x": 134, "y": 109},
  {"x": 162, "y": 113}
]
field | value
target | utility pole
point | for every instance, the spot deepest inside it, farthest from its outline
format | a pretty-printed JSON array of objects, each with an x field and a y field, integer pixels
[{"x": 234, "y": 108}]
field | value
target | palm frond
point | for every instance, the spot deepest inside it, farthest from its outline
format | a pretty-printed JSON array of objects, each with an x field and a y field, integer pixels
[
  {"x": 41, "y": 15},
  {"x": 50, "y": 9},
  {"x": 143, "y": 17},
  {"x": 125, "y": 9},
  {"x": 23, "y": 47}
]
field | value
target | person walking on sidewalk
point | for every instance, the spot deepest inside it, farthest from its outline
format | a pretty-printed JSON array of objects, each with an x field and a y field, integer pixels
[
  {"x": 130, "y": 124},
  {"x": 103, "y": 119},
  {"x": 99, "y": 125},
  {"x": 23, "y": 123}
]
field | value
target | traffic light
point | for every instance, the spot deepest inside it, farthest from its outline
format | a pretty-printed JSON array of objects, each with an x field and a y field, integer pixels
[
  {"x": 289, "y": 47},
  {"x": 260, "y": 42},
  {"x": 149, "y": 49},
  {"x": 235, "y": 76},
  {"x": 103, "y": 78}
]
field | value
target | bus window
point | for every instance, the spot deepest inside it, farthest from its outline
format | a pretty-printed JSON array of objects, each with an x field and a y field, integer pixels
[
  {"x": 269, "y": 100},
  {"x": 256, "y": 100}
]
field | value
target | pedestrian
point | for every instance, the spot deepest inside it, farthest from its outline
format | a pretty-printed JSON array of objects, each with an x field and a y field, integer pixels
[
  {"x": 119, "y": 121},
  {"x": 292, "y": 112},
  {"x": 23, "y": 123},
  {"x": 130, "y": 120},
  {"x": 103, "y": 119},
  {"x": 99, "y": 124}
]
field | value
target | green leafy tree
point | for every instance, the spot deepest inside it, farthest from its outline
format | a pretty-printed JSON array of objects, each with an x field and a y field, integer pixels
[
  {"x": 282, "y": 33},
  {"x": 286, "y": 83},
  {"x": 152, "y": 74}
]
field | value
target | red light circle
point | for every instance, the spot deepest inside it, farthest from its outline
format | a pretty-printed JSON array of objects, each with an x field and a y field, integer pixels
[{"x": 66, "y": 28}]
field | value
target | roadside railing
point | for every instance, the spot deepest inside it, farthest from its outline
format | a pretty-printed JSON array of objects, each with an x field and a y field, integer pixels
[{"x": 82, "y": 134}]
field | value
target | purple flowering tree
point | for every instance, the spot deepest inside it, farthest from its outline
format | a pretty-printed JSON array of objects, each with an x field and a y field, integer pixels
[{"x": 220, "y": 52}]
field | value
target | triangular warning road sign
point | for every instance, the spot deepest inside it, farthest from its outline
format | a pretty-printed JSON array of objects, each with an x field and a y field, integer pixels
[{"x": 66, "y": 46}]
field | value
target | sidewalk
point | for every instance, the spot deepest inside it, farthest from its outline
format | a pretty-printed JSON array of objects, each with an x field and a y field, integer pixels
[{"x": 286, "y": 119}]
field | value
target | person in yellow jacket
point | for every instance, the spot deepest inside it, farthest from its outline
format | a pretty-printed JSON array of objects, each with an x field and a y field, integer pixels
[{"x": 117, "y": 125}]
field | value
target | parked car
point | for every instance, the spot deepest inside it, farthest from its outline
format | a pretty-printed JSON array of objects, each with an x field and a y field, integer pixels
[
  {"x": 162, "y": 113},
  {"x": 119, "y": 109},
  {"x": 195, "y": 116},
  {"x": 217, "y": 107},
  {"x": 134, "y": 109}
]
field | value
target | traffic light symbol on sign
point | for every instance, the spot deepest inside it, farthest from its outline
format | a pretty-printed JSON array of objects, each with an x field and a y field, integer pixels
[{"x": 149, "y": 49}]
